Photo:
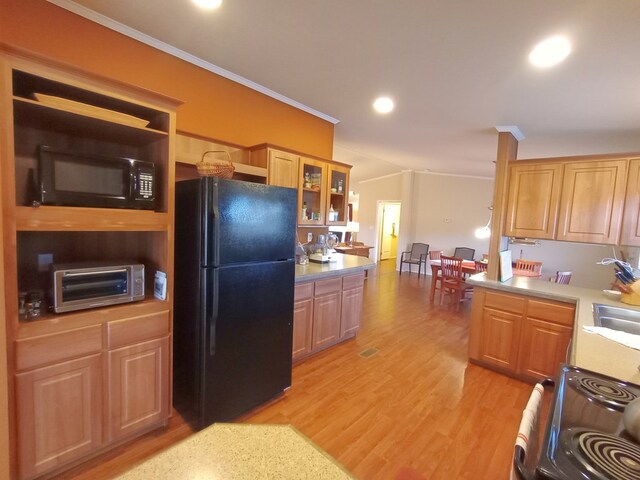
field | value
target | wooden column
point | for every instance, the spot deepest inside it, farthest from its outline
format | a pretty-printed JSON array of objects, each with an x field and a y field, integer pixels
[{"x": 507, "y": 152}]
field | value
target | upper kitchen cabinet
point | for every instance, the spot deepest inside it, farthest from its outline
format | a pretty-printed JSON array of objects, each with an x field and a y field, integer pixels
[
  {"x": 312, "y": 192},
  {"x": 338, "y": 195},
  {"x": 534, "y": 196},
  {"x": 631, "y": 219},
  {"x": 591, "y": 202},
  {"x": 282, "y": 167}
]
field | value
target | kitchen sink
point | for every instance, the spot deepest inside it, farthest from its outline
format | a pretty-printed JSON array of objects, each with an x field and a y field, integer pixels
[{"x": 616, "y": 318}]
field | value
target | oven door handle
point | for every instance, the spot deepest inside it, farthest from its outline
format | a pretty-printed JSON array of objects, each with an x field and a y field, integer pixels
[{"x": 520, "y": 454}]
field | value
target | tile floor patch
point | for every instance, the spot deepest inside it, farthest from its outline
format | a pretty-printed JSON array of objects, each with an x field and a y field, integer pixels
[{"x": 369, "y": 352}]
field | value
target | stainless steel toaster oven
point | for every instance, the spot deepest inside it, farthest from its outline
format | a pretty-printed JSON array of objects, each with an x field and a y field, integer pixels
[{"x": 77, "y": 286}]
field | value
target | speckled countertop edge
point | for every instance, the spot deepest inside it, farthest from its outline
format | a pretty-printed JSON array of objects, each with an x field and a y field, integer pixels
[
  {"x": 588, "y": 350},
  {"x": 344, "y": 265}
]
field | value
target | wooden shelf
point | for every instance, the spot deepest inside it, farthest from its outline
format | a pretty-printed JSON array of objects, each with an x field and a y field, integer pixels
[
  {"x": 52, "y": 219},
  {"x": 56, "y": 322},
  {"x": 311, "y": 190},
  {"x": 34, "y": 114}
]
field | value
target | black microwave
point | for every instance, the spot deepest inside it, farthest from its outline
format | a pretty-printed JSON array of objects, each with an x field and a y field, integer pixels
[{"x": 91, "y": 180}]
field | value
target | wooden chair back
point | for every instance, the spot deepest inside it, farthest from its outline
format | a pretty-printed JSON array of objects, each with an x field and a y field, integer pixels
[
  {"x": 452, "y": 280},
  {"x": 529, "y": 266},
  {"x": 481, "y": 266},
  {"x": 561, "y": 277},
  {"x": 435, "y": 254}
]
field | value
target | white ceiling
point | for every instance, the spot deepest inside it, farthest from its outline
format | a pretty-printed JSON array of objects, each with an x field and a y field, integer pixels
[{"x": 455, "y": 68}]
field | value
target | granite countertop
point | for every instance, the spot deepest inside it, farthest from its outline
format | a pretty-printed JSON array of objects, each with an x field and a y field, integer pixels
[
  {"x": 588, "y": 350},
  {"x": 343, "y": 265},
  {"x": 241, "y": 452}
]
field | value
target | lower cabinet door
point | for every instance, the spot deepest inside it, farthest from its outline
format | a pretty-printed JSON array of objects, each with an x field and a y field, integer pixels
[
  {"x": 326, "y": 320},
  {"x": 138, "y": 387},
  {"x": 302, "y": 325},
  {"x": 351, "y": 312},
  {"x": 544, "y": 347},
  {"x": 59, "y": 415},
  {"x": 500, "y": 338}
]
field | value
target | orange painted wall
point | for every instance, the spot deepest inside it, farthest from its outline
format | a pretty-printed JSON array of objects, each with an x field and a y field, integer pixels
[{"x": 213, "y": 106}]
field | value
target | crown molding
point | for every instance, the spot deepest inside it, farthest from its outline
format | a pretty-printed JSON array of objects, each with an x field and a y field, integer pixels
[{"x": 181, "y": 54}]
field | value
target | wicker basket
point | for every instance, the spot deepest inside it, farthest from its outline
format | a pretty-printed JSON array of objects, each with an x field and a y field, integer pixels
[{"x": 215, "y": 168}]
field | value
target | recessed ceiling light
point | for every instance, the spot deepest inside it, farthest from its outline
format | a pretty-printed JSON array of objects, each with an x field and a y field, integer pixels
[
  {"x": 550, "y": 52},
  {"x": 208, "y": 4},
  {"x": 383, "y": 105}
]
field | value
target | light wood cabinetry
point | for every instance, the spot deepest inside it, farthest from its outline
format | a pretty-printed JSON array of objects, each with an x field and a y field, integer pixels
[
  {"x": 592, "y": 201},
  {"x": 62, "y": 386},
  {"x": 326, "y": 312},
  {"x": 302, "y": 320},
  {"x": 520, "y": 335},
  {"x": 534, "y": 199},
  {"x": 631, "y": 220},
  {"x": 312, "y": 192},
  {"x": 352, "y": 298},
  {"x": 138, "y": 387},
  {"x": 59, "y": 414},
  {"x": 282, "y": 168},
  {"x": 577, "y": 199},
  {"x": 338, "y": 195}
]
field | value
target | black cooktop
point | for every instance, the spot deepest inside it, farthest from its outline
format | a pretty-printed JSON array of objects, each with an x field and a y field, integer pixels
[{"x": 585, "y": 437}]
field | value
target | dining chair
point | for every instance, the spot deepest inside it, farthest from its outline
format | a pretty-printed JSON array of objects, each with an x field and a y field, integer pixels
[
  {"x": 452, "y": 281},
  {"x": 416, "y": 256},
  {"x": 481, "y": 266},
  {"x": 561, "y": 277},
  {"x": 435, "y": 254},
  {"x": 464, "y": 253},
  {"x": 529, "y": 266}
]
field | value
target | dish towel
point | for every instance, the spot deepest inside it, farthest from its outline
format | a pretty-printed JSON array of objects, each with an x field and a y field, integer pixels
[
  {"x": 529, "y": 421},
  {"x": 628, "y": 339}
]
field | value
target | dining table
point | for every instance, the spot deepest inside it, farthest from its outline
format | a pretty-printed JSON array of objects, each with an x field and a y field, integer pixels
[{"x": 468, "y": 267}]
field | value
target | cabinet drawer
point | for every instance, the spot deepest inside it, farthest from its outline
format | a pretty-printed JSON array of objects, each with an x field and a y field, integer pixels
[
  {"x": 38, "y": 351},
  {"x": 560, "y": 313},
  {"x": 506, "y": 303},
  {"x": 303, "y": 291},
  {"x": 137, "y": 329},
  {"x": 352, "y": 281},
  {"x": 323, "y": 287}
]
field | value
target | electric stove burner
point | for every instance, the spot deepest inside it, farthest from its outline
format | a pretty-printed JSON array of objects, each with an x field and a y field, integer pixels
[
  {"x": 609, "y": 393},
  {"x": 602, "y": 456}
]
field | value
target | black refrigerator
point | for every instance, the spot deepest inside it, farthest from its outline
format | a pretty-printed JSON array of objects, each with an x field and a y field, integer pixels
[{"x": 233, "y": 305}]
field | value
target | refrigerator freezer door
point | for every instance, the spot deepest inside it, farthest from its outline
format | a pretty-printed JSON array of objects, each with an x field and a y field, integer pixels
[
  {"x": 247, "y": 222},
  {"x": 248, "y": 358}
]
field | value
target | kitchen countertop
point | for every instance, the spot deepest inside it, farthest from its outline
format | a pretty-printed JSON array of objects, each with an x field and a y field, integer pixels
[
  {"x": 344, "y": 265},
  {"x": 241, "y": 452},
  {"x": 588, "y": 350}
]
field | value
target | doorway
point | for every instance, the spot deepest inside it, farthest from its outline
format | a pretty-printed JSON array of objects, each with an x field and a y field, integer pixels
[{"x": 388, "y": 227}]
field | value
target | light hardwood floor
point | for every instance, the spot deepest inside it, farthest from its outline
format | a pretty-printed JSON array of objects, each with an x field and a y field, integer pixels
[{"x": 415, "y": 409}]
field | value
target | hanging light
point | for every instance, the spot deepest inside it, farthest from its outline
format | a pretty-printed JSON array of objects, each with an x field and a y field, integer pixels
[{"x": 485, "y": 232}]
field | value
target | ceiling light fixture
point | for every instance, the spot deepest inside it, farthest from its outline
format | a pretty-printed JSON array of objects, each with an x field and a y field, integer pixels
[
  {"x": 208, "y": 4},
  {"x": 550, "y": 52},
  {"x": 383, "y": 105}
]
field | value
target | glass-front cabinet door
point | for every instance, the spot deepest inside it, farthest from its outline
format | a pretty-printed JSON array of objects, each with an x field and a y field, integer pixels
[
  {"x": 338, "y": 195},
  {"x": 312, "y": 192}
]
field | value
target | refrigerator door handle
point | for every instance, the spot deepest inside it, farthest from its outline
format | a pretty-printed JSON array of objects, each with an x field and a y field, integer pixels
[
  {"x": 214, "y": 314},
  {"x": 215, "y": 213}
]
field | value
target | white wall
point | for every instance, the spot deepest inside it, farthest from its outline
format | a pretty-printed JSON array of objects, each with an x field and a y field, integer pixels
[
  {"x": 369, "y": 193},
  {"x": 579, "y": 258},
  {"x": 447, "y": 210},
  {"x": 427, "y": 199}
]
